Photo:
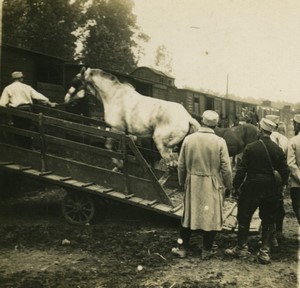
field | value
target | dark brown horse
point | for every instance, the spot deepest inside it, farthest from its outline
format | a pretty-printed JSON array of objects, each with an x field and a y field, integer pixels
[{"x": 238, "y": 137}]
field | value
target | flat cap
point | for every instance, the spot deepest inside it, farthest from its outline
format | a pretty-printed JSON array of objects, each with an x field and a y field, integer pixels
[{"x": 17, "y": 75}]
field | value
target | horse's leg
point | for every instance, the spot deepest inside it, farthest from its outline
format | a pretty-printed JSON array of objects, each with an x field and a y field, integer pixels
[
  {"x": 233, "y": 160},
  {"x": 165, "y": 142},
  {"x": 165, "y": 148},
  {"x": 165, "y": 152},
  {"x": 110, "y": 145},
  {"x": 238, "y": 159}
]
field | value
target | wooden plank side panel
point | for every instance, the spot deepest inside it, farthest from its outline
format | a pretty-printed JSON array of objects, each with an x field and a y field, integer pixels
[
  {"x": 157, "y": 189},
  {"x": 60, "y": 114},
  {"x": 21, "y": 156}
]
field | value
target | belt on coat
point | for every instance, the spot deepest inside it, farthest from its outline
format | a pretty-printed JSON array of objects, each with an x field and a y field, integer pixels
[{"x": 201, "y": 174}]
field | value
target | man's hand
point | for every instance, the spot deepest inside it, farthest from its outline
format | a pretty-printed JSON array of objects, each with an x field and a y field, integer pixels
[
  {"x": 231, "y": 193},
  {"x": 227, "y": 193},
  {"x": 235, "y": 193},
  {"x": 52, "y": 104},
  {"x": 67, "y": 98}
]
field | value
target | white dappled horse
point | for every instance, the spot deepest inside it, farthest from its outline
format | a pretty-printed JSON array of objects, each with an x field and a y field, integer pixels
[{"x": 125, "y": 110}]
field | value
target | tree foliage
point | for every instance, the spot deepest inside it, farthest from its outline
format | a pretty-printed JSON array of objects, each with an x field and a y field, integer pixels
[
  {"x": 163, "y": 60},
  {"x": 111, "y": 27},
  {"x": 41, "y": 25},
  {"x": 106, "y": 30}
]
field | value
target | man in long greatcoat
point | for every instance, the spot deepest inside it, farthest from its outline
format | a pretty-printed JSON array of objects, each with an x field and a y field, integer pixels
[{"x": 205, "y": 171}]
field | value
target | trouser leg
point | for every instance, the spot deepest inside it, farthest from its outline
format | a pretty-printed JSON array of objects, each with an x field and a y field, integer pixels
[
  {"x": 185, "y": 235},
  {"x": 280, "y": 216},
  {"x": 247, "y": 204},
  {"x": 208, "y": 239},
  {"x": 295, "y": 197}
]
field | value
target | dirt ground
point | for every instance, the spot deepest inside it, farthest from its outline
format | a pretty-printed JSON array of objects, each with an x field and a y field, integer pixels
[{"x": 123, "y": 247}]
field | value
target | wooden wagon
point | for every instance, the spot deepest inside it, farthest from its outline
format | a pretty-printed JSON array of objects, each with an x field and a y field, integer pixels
[{"x": 68, "y": 150}]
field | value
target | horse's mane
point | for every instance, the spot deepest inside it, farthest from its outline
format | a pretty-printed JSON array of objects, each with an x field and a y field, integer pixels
[{"x": 116, "y": 81}]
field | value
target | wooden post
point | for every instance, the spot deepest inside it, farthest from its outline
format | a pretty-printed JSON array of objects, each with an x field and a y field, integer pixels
[
  {"x": 42, "y": 142},
  {"x": 125, "y": 164}
]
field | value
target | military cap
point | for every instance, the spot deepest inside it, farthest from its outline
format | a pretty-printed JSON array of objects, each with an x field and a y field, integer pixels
[
  {"x": 273, "y": 118},
  {"x": 297, "y": 118},
  {"x": 267, "y": 124},
  {"x": 210, "y": 118}
]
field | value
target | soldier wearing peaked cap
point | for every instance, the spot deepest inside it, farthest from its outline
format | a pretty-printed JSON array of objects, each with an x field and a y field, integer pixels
[
  {"x": 255, "y": 180},
  {"x": 293, "y": 159},
  {"x": 205, "y": 171}
]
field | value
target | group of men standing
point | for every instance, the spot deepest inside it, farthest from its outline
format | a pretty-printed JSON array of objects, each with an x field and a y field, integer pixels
[{"x": 204, "y": 169}]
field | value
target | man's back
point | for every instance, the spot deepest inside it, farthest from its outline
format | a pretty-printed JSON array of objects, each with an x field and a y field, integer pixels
[
  {"x": 293, "y": 159},
  {"x": 280, "y": 140},
  {"x": 18, "y": 93},
  {"x": 206, "y": 154},
  {"x": 203, "y": 152},
  {"x": 255, "y": 161}
]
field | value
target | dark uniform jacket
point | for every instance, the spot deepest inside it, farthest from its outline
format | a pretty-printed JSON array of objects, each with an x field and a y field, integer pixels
[
  {"x": 79, "y": 106},
  {"x": 255, "y": 164}
]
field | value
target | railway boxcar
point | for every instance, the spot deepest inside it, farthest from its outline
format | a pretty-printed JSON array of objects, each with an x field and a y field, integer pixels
[
  {"x": 51, "y": 76},
  {"x": 42, "y": 72}
]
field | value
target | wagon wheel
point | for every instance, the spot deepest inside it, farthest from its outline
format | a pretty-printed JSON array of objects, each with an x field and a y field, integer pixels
[{"x": 78, "y": 208}]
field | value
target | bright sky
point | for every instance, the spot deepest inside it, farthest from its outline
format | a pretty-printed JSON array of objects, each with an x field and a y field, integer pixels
[{"x": 255, "y": 42}]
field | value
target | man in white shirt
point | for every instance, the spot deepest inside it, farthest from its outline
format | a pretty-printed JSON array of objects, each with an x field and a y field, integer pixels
[
  {"x": 277, "y": 137},
  {"x": 293, "y": 161},
  {"x": 282, "y": 142},
  {"x": 19, "y": 95}
]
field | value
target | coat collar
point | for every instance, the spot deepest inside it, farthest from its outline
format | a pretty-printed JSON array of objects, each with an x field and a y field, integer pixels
[{"x": 206, "y": 130}]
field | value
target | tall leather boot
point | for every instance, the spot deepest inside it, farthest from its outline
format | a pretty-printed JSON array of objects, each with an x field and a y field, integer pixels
[
  {"x": 263, "y": 255},
  {"x": 241, "y": 249},
  {"x": 243, "y": 232}
]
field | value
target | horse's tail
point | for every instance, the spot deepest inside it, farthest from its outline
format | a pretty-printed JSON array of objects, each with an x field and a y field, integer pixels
[{"x": 194, "y": 125}]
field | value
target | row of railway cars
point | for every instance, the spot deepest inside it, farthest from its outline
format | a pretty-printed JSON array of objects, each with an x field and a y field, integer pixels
[{"x": 51, "y": 76}]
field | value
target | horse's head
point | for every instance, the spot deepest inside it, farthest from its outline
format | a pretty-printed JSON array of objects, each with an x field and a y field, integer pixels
[{"x": 98, "y": 82}]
